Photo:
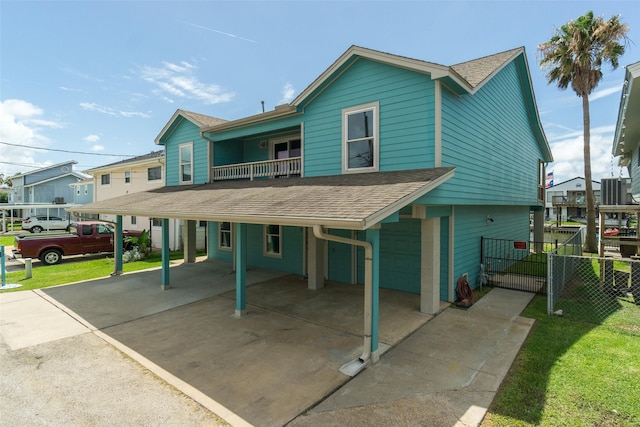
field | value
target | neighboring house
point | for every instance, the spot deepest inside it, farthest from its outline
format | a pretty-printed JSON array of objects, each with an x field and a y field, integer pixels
[
  {"x": 137, "y": 174},
  {"x": 45, "y": 186},
  {"x": 385, "y": 171},
  {"x": 82, "y": 191},
  {"x": 567, "y": 200},
  {"x": 626, "y": 142}
]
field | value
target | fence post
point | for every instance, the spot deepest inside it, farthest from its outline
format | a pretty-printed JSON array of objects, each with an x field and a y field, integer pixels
[
  {"x": 550, "y": 301},
  {"x": 635, "y": 279},
  {"x": 607, "y": 274}
]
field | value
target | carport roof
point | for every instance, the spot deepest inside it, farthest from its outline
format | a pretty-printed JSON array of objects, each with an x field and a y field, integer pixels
[{"x": 355, "y": 201}]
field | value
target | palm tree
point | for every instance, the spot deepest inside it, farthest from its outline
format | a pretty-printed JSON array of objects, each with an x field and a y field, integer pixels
[{"x": 574, "y": 56}]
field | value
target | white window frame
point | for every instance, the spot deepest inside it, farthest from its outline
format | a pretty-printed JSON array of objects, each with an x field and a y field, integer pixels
[
  {"x": 154, "y": 180},
  {"x": 134, "y": 220},
  {"x": 127, "y": 177},
  {"x": 220, "y": 231},
  {"x": 265, "y": 245},
  {"x": 375, "y": 107},
  {"x": 108, "y": 184},
  {"x": 188, "y": 145}
]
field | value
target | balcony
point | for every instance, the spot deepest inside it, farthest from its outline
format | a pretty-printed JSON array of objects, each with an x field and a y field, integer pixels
[
  {"x": 569, "y": 200},
  {"x": 280, "y": 168}
]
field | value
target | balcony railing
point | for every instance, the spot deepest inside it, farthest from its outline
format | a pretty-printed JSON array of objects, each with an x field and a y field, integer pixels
[
  {"x": 569, "y": 200},
  {"x": 280, "y": 168}
]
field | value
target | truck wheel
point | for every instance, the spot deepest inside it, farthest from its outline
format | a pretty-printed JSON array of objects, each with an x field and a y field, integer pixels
[
  {"x": 50, "y": 256},
  {"x": 36, "y": 229}
]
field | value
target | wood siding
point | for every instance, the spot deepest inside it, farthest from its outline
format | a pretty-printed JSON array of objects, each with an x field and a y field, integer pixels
[
  {"x": 406, "y": 118},
  {"x": 187, "y": 132},
  {"x": 489, "y": 139}
]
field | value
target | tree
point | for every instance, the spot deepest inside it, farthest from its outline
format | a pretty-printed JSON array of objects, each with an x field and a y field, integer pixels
[{"x": 574, "y": 56}]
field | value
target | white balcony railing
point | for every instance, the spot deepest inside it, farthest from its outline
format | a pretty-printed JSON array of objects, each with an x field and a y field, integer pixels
[{"x": 267, "y": 169}]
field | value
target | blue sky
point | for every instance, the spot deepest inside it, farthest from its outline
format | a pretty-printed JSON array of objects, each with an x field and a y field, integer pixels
[{"x": 104, "y": 77}]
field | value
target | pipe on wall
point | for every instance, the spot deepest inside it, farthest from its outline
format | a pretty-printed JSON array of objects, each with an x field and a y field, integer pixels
[{"x": 368, "y": 283}]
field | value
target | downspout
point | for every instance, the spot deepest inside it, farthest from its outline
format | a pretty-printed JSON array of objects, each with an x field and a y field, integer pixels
[{"x": 368, "y": 284}]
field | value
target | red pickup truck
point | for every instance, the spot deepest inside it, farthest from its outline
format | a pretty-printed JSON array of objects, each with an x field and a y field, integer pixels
[{"x": 83, "y": 238}]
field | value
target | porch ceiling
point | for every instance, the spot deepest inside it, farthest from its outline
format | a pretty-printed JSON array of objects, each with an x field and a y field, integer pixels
[{"x": 356, "y": 201}]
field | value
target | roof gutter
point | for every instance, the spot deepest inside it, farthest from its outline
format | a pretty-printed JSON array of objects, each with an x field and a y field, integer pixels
[{"x": 355, "y": 366}]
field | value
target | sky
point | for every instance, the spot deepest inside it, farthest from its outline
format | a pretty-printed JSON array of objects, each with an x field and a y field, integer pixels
[{"x": 96, "y": 81}]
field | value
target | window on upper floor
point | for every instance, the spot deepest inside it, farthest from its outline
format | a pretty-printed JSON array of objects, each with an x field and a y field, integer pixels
[
  {"x": 186, "y": 163},
  {"x": 273, "y": 240},
  {"x": 154, "y": 173},
  {"x": 78, "y": 191},
  {"x": 105, "y": 179},
  {"x": 224, "y": 236},
  {"x": 86, "y": 190},
  {"x": 360, "y": 140},
  {"x": 127, "y": 177}
]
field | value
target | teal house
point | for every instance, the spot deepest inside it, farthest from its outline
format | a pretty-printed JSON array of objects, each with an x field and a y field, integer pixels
[{"x": 385, "y": 171}]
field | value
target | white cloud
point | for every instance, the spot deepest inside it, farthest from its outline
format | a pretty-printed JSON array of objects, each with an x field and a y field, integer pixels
[
  {"x": 180, "y": 81},
  {"x": 97, "y": 147},
  {"x": 92, "y": 138},
  {"x": 92, "y": 106},
  {"x": 603, "y": 93},
  {"x": 568, "y": 153},
  {"x": 219, "y": 32},
  {"x": 287, "y": 93},
  {"x": 20, "y": 125}
]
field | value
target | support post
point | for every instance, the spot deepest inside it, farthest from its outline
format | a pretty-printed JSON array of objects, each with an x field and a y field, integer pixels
[
  {"x": 430, "y": 266},
  {"x": 315, "y": 264},
  {"x": 165, "y": 254},
  {"x": 117, "y": 246},
  {"x": 241, "y": 270},
  {"x": 189, "y": 239}
]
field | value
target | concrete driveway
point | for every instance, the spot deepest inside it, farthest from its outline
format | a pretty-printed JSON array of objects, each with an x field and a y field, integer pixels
[{"x": 280, "y": 364}]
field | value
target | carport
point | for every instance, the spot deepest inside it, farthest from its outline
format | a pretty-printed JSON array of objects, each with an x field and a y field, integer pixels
[{"x": 360, "y": 202}]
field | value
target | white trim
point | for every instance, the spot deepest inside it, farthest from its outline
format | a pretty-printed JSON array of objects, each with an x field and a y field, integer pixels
[
  {"x": 452, "y": 267},
  {"x": 154, "y": 181},
  {"x": 302, "y": 149},
  {"x": 437, "y": 155},
  {"x": 346, "y": 112},
  {"x": 265, "y": 241},
  {"x": 180, "y": 147},
  {"x": 125, "y": 176},
  {"x": 225, "y": 248}
]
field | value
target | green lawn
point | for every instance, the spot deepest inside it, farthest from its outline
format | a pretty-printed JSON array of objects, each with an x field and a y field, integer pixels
[
  {"x": 572, "y": 373},
  {"x": 73, "y": 270}
]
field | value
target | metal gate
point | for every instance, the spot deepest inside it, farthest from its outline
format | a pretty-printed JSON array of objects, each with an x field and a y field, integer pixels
[{"x": 515, "y": 264}]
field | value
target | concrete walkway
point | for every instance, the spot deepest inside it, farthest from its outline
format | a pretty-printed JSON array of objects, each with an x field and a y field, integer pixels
[{"x": 279, "y": 365}]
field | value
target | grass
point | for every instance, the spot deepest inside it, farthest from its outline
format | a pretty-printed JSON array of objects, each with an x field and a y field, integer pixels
[
  {"x": 572, "y": 373},
  {"x": 76, "y": 269}
]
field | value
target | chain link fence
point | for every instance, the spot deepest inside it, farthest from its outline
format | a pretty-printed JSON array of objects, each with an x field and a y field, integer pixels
[{"x": 589, "y": 288}]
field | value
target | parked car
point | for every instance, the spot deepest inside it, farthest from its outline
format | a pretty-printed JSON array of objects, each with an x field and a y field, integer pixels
[
  {"x": 83, "y": 238},
  {"x": 40, "y": 223}
]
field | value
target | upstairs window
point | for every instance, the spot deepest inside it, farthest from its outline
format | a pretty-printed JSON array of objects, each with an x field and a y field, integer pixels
[
  {"x": 360, "y": 141},
  {"x": 127, "y": 177},
  {"x": 154, "y": 173},
  {"x": 105, "y": 179},
  {"x": 186, "y": 163}
]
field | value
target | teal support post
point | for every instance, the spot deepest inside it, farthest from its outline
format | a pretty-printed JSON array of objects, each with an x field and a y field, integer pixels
[
  {"x": 2, "y": 266},
  {"x": 373, "y": 237},
  {"x": 117, "y": 247},
  {"x": 241, "y": 270},
  {"x": 165, "y": 253}
]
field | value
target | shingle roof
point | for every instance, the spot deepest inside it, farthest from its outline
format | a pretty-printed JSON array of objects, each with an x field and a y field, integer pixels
[
  {"x": 201, "y": 119},
  {"x": 151, "y": 155},
  {"x": 478, "y": 70},
  {"x": 355, "y": 201}
]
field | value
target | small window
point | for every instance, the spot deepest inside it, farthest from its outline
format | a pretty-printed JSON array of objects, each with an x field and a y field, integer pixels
[
  {"x": 134, "y": 220},
  {"x": 156, "y": 222},
  {"x": 224, "y": 236},
  {"x": 127, "y": 177},
  {"x": 154, "y": 173},
  {"x": 186, "y": 164},
  {"x": 273, "y": 240},
  {"x": 360, "y": 138},
  {"x": 78, "y": 191},
  {"x": 86, "y": 190},
  {"x": 105, "y": 179}
]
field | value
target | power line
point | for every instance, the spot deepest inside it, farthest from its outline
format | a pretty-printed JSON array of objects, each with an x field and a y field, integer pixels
[{"x": 67, "y": 151}]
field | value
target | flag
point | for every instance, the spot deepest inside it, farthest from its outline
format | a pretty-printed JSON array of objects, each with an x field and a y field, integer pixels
[{"x": 549, "y": 180}]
